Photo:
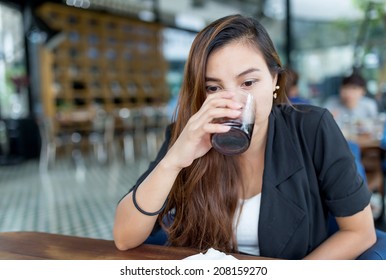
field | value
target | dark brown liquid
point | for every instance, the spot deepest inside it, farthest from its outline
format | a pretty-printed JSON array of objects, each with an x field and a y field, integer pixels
[{"x": 235, "y": 141}]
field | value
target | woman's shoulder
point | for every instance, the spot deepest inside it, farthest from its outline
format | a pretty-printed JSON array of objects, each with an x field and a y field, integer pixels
[
  {"x": 306, "y": 118},
  {"x": 297, "y": 111}
]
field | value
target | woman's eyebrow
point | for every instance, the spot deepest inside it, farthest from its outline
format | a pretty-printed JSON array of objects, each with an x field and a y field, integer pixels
[
  {"x": 209, "y": 79},
  {"x": 250, "y": 70}
]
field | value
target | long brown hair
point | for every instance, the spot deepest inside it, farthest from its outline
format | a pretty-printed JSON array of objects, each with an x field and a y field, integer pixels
[{"x": 205, "y": 195}]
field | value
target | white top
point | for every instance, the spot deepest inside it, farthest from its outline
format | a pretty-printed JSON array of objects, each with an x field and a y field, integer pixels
[{"x": 247, "y": 228}]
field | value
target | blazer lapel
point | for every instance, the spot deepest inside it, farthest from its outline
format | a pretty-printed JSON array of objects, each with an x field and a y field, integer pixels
[{"x": 280, "y": 216}]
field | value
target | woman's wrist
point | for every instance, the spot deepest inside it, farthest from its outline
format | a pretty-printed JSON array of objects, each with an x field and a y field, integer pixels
[{"x": 169, "y": 164}]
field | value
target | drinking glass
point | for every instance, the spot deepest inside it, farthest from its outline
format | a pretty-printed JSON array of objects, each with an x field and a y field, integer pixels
[{"x": 238, "y": 138}]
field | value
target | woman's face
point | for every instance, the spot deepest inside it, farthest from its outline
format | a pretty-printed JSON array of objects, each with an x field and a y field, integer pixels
[{"x": 240, "y": 65}]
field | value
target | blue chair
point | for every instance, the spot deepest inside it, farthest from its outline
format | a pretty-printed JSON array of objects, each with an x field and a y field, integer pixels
[
  {"x": 157, "y": 237},
  {"x": 356, "y": 151},
  {"x": 378, "y": 250},
  {"x": 375, "y": 252}
]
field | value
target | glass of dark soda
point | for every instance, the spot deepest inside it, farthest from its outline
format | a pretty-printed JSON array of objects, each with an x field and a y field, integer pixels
[{"x": 238, "y": 138}]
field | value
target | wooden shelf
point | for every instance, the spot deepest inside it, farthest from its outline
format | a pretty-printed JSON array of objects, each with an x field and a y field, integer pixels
[{"x": 104, "y": 60}]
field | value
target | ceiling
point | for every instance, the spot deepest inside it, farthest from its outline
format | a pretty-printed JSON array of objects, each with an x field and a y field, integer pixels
[
  {"x": 186, "y": 14},
  {"x": 194, "y": 14}
]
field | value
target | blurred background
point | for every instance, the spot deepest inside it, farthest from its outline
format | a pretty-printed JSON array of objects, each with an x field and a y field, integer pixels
[{"x": 88, "y": 86}]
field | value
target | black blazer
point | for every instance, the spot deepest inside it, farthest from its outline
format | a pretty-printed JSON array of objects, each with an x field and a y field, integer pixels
[{"x": 309, "y": 173}]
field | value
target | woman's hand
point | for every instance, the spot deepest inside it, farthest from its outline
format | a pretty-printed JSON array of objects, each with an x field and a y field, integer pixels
[{"x": 194, "y": 140}]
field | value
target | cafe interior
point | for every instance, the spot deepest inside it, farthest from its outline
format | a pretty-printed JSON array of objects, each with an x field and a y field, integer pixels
[{"x": 87, "y": 88}]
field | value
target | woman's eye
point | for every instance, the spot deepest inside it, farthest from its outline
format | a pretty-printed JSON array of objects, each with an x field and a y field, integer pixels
[
  {"x": 248, "y": 83},
  {"x": 211, "y": 89}
]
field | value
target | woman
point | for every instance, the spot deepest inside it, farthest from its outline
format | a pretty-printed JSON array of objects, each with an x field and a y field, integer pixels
[{"x": 297, "y": 170}]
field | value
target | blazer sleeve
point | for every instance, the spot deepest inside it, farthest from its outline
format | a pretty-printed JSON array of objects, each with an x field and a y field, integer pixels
[{"x": 342, "y": 188}]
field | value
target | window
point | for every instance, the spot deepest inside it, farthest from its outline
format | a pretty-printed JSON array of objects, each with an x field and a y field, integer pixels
[{"x": 13, "y": 79}]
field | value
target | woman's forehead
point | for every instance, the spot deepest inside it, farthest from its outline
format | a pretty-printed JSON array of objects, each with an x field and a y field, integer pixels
[{"x": 236, "y": 56}]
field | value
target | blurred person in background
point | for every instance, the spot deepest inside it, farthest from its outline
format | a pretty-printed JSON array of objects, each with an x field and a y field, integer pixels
[
  {"x": 357, "y": 114},
  {"x": 352, "y": 104},
  {"x": 292, "y": 88},
  {"x": 380, "y": 97}
]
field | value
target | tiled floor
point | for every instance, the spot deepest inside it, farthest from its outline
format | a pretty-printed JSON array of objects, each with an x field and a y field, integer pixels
[{"x": 68, "y": 199}]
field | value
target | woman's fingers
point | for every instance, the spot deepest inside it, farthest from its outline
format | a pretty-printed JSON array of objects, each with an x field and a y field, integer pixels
[
  {"x": 222, "y": 99},
  {"x": 217, "y": 128},
  {"x": 216, "y": 106},
  {"x": 194, "y": 140}
]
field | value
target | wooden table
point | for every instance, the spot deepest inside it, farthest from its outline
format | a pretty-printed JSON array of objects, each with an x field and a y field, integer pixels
[
  {"x": 366, "y": 141},
  {"x": 372, "y": 157},
  {"x": 47, "y": 246}
]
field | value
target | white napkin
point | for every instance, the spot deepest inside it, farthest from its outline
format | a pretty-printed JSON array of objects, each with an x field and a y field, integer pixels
[{"x": 211, "y": 254}]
